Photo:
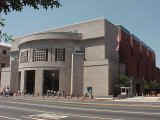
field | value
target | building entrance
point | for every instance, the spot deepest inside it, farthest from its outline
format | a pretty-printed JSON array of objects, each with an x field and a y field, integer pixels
[
  {"x": 51, "y": 81},
  {"x": 138, "y": 89},
  {"x": 30, "y": 81}
]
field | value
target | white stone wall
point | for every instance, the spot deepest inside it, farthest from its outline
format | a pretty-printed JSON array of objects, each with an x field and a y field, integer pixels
[
  {"x": 95, "y": 53},
  {"x": 100, "y": 68},
  {"x": 112, "y": 54},
  {"x": 51, "y": 45},
  {"x": 77, "y": 75},
  {"x": 4, "y": 58},
  {"x": 5, "y": 77},
  {"x": 96, "y": 76},
  {"x": 89, "y": 29}
]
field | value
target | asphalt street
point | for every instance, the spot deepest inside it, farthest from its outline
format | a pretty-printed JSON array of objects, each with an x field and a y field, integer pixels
[{"x": 14, "y": 109}]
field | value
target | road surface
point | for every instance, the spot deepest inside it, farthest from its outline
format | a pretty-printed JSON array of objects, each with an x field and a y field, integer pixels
[{"x": 13, "y": 109}]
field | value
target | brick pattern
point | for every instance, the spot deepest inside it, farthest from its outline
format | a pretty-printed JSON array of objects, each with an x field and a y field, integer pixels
[{"x": 138, "y": 58}]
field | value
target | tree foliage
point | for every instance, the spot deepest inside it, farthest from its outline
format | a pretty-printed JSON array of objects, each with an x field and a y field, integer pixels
[
  {"x": 4, "y": 37},
  {"x": 7, "y": 6},
  {"x": 151, "y": 85},
  {"x": 146, "y": 85},
  {"x": 124, "y": 81},
  {"x": 2, "y": 22}
]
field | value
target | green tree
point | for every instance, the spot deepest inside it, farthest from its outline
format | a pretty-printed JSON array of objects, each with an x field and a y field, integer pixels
[
  {"x": 124, "y": 81},
  {"x": 151, "y": 85},
  {"x": 146, "y": 85},
  {"x": 155, "y": 85},
  {"x": 2, "y": 22},
  {"x": 18, "y": 5},
  {"x": 4, "y": 37}
]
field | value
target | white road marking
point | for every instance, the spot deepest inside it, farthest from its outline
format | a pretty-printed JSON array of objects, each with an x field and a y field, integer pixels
[
  {"x": 60, "y": 116},
  {"x": 37, "y": 119},
  {"x": 18, "y": 108},
  {"x": 44, "y": 116},
  {"x": 87, "y": 109},
  {"x": 93, "y": 117},
  {"x": 117, "y": 119},
  {"x": 9, "y": 118},
  {"x": 47, "y": 116}
]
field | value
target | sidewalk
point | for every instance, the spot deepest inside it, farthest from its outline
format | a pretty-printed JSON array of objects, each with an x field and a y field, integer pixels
[
  {"x": 140, "y": 99},
  {"x": 56, "y": 99},
  {"x": 132, "y": 102}
]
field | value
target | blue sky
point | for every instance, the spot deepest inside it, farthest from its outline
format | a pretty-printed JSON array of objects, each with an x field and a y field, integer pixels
[{"x": 140, "y": 17}]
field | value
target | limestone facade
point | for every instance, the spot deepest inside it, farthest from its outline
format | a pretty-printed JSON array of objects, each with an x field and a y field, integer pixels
[
  {"x": 71, "y": 58},
  {"x": 4, "y": 64}
]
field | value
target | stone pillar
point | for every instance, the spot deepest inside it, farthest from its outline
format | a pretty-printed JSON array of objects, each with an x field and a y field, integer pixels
[
  {"x": 14, "y": 75},
  {"x": 39, "y": 82},
  {"x": 77, "y": 74},
  {"x": 30, "y": 55},
  {"x": 62, "y": 79},
  {"x": 67, "y": 70},
  {"x": 50, "y": 55},
  {"x": 23, "y": 81},
  {"x": 72, "y": 75}
]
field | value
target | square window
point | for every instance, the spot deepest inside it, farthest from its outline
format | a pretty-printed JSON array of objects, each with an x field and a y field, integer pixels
[
  {"x": 40, "y": 54},
  {"x": 60, "y": 54},
  {"x": 24, "y": 57}
]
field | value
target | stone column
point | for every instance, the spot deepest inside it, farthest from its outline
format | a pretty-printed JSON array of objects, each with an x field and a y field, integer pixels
[
  {"x": 23, "y": 81},
  {"x": 67, "y": 70},
  {"x": 62, "y": 79},
  {"x": 39, "y": 82},
  {"x": 72, "y": 77},
  {"x": 14, "y": 75},
  {"x": 50, "y": 55},
  {"x": 30, "y": 55},
  {"x": 77, "y": 74}
]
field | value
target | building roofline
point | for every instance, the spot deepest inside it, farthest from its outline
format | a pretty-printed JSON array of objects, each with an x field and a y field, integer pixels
[
  {"x": 50, "y": 29},
  {"x": 123, "y": 28},
  {"x": 143, "y": 43},
  {"x": 76, "y": 23},
  {"x": 5, "y": 45}
]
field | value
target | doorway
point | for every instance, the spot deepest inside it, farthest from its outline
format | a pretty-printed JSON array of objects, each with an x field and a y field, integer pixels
[
  {"x": 30, "y": 81},
  {"x": 51, "y": 80},
  {"x": 138, "y": 89}
]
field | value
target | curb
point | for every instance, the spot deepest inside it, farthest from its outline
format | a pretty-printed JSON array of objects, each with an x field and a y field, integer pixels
[{"x": 132, "y": 104}]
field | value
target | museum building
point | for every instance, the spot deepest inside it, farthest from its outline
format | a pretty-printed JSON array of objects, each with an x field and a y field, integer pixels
[{"x": 91, "y": 54}]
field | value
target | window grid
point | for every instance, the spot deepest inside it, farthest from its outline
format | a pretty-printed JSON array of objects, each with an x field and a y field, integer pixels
[
  {"x": 60, "y": 54},
  {"x": 40, "y": 54},
  {"x": 24, "y": 57}
]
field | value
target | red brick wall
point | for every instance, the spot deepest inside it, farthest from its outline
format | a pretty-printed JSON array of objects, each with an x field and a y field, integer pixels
[
  {"x": 139, "y": 60},
  {"x": 156, "y": 74}
]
